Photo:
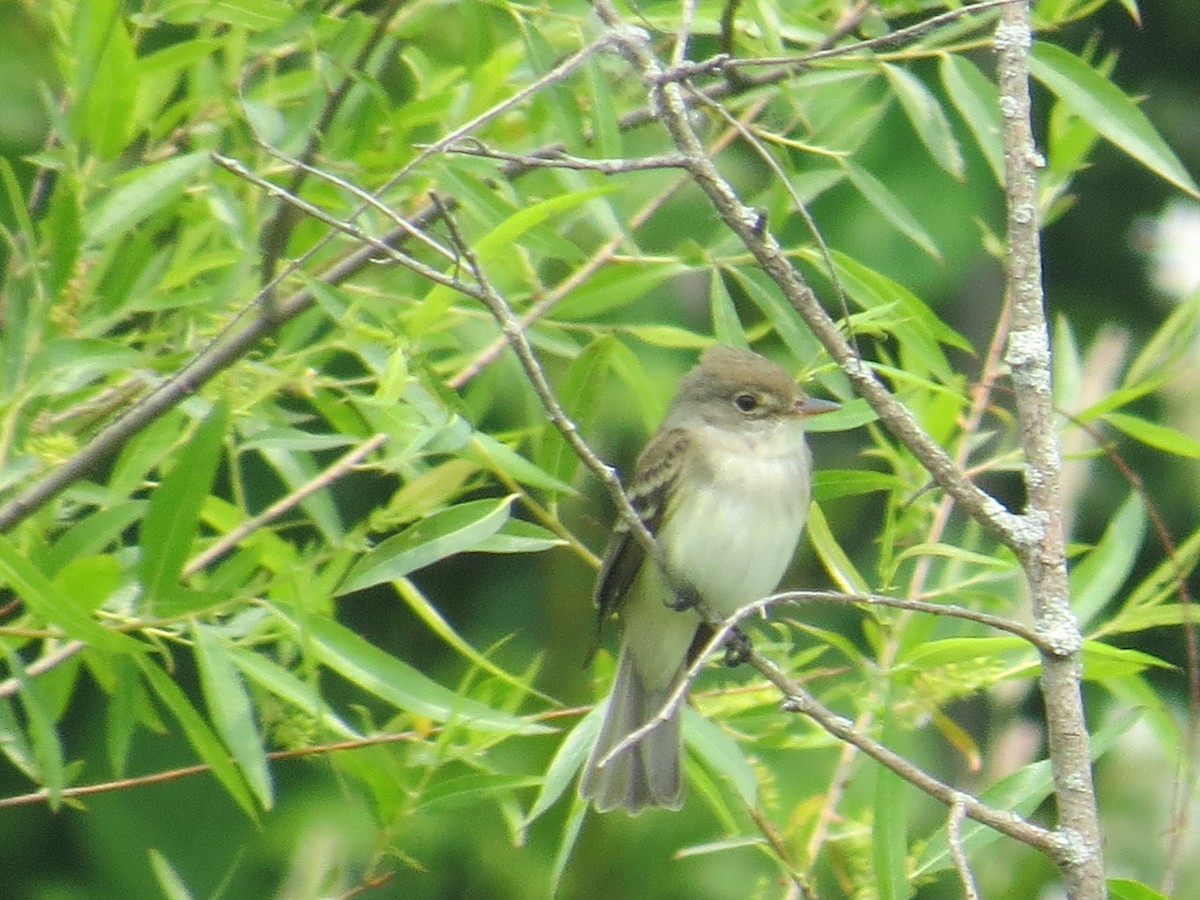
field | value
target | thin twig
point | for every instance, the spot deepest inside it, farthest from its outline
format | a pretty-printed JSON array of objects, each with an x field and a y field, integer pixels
[
  {"x": 895, "y": 38},
  {"x": 797, "y": 699},
  {"x": 563, "y": 160},
  {"x": 599, "y": 258},
  {"x": 44, "y": 663},
  {"x": 367, "y": 198},
  {"x": 515, "y": 336},
  {"x": 958, "y": 810},
  {"x": 724, "y": 627},
  {"x": 323, "y": 479}
]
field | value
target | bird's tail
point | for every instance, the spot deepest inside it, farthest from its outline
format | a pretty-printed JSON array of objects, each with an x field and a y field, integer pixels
[{"x": 647, "y": 773}]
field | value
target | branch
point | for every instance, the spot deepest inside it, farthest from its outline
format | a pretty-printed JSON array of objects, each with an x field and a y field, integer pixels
[
  {"x": 797, "y": 699},
  {"x": 1044, "y": 557},
  {"x": 668, "y": 102},
  {"x": 958, "y": 809},
  {"x": 516, "y": 338}
]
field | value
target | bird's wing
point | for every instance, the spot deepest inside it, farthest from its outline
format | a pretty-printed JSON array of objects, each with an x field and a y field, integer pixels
[{"x": 657, "y": 470}]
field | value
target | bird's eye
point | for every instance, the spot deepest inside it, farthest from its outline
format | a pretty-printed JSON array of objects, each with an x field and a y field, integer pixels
[{"x": 746, "y": 402}]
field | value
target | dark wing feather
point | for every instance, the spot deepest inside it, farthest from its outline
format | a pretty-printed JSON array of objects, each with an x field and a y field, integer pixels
[{"x": 654, "y": 476}]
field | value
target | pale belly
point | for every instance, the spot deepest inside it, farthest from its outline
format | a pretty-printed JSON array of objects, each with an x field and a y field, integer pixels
[{"x": 733, "y": 539}]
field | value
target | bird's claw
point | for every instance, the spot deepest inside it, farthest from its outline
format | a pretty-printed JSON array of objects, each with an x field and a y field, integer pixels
[{"x": 737, "y": 648}]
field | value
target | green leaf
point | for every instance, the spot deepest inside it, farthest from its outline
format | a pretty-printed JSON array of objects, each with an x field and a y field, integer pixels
[
  {"x": 569, "y": 837},
  {"x": 849, "y": 415},
  {"x": 889, "y": 833},
  {"x": 169, "y": 529},
  {"x": 1118, "y": 398},
  {"x": 14, "y": 743},
  {"x": 54, "y": 607},
  {"x": 830, "y": 484},
  {"x": 436, "y": 623},
  {"x": 497, "y": 246},
  {"x": 614, "y": 287},
  {"x": 497, "y": 456},
  {"x": 113, "y": 92},
  {"x": 1107, "y": 109},
  {"x": 286, "y": 686},
  {"x": 62, "y": 234},
  {"x": 149, "y": 189},
  {"x": 564, "y": 107},
  {"x": 255, "y": 15},
  {"x": 169, "y": 880},
  {"x": 604, "y": 116},
  {"x": 1162, "y": 583},
  {"x": 1103, "y": 662},
  {"x": 925, "y": 114},
  {"x": 455, "y": 530},
  {"x": 667, "y": 336},
  {"x": 1011, "y": 651},
  {"x": 199, "y": 735},
  {"x": 91, "y": 580},
  {"x": 1154, "y": 435},
  {"x": 727, "y": 327},
  {"x": 519, "y": 536},
  {"x": 890, "y": 207},
  {"x": 298, "y": 468},
  {"x": 1068, "y": 368},
  {"x": 567, "y": 761},
  {"x": 915, "y": 325},
  {"x": 580, "y": 394},
  {"x": 831, "y": 554},
  {"x": 977, "y": 102},
  {"x": 231, "y": 712},
  {"x": 378, "y": 673},
  {"x": 469, "y": 791},
  {"x": 1127, "y": 889},
  {"x": 721, "y": 753},
  {"x": 1101, "y": 574},
  {"x": 47, "y": 751},
  {"x": 764, "y": 294}
]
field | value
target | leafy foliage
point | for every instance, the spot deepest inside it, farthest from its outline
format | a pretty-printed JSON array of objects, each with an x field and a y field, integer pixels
[{"x": 220, "y": 580}]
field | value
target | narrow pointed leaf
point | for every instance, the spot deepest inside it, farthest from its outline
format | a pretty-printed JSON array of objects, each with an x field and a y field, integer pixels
[
  {"x": 1106, "y": 108},
  {"x": 925, "y": 114},
  {"x": 206, "y": 744},
  {"x": 54, "y": 607},
  {"x": 891, "y": 207},
  {"x": 381, "y": 674},
  {"x": 454, "y": 530},
  {"x": 977, "y": 102},
  {"x": 231, "y": 712},
  {"x": 1154, "y": 435},
  {"x": 169, "y": 529},
  {"x": 45, "y": 746},
  {"x": 1097, "y": 578}
]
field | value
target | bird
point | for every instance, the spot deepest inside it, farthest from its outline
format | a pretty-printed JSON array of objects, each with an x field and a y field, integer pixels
[{"x": 724, "y": 485}]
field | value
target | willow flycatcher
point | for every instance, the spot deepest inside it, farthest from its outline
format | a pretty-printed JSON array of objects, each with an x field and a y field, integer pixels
[{"x": 724, "y": 485}]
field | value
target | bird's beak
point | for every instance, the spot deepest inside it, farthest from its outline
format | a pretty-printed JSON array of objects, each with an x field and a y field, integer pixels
[{"x": 814, "y": 406}]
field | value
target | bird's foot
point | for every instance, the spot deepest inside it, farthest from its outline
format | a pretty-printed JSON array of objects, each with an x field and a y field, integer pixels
[{"x": 737, "y": 648}]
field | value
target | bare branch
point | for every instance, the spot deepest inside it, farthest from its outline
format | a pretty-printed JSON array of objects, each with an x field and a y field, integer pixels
[
  {"x": 958, "y": 810},
  {"x": 1044, "y": 556},
  {"x": 516, "y": 338},
  {"x": 321, "y": 480},
  {"x": 557, "y": 159}
]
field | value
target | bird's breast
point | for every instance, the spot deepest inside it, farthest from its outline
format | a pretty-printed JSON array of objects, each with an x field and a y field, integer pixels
[{"x": 732, "y": 528}]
